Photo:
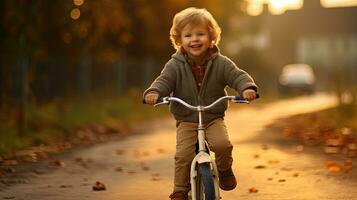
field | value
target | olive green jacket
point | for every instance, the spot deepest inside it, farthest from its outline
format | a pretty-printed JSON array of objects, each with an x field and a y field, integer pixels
[{"x": 177, "y": 79}]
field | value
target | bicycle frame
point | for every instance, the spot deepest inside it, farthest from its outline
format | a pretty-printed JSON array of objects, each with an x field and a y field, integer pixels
[{"x": 202, "y": 156}]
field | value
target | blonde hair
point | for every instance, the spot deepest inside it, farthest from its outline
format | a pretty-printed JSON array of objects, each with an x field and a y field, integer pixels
[{"x": 194, "y": 16}]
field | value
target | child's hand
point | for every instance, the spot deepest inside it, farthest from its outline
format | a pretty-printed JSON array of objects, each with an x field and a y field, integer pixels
[
  {"x": 151, "y": 97},
  {"x": 249, "y": 94}
]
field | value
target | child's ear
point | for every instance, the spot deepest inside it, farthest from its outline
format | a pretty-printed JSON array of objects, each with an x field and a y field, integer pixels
[
  {"x": 178, "y": 43},
  {"x": 212, "y": 44}
]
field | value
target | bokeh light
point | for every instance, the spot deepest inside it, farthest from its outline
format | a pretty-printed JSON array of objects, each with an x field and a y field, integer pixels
[
  {"x": 276, "y": 7},
  {"x": 78, "y": 2},
  {"x": 338, "y": 3},
  {"x": 254, "y": 9},
  {"x": 75, "y": 13}
]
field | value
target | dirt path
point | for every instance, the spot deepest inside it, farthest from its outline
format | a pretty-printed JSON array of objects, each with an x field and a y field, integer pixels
[{"x": 141, "y": 167}]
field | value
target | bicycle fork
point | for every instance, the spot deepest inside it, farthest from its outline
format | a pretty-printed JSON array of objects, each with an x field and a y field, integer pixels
[{"x": 203, "y": 157}]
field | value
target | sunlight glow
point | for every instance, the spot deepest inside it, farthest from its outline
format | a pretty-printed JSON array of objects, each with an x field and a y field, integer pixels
[
  {"x": 254, "y": 9},
  {"x": 338, "y": 3},
  {"x": 276, "y": 7}
]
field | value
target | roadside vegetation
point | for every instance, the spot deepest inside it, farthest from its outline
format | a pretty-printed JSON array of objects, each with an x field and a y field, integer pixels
[
  {"x": 82, "y": 118},
  {"x": 333, "y": 130}
]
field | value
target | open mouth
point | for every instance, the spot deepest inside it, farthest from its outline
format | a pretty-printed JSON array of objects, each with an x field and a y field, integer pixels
[{"x": 196, "y": 46}]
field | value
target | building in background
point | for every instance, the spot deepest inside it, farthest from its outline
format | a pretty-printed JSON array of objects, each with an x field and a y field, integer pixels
[{"x": 325, "y": 38}]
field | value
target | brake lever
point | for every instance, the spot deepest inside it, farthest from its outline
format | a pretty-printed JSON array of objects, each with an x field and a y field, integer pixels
[{"x": 241, "y": 101}]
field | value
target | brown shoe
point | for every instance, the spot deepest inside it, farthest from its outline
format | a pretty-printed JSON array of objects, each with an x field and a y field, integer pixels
[
  {"x": 179, "y": 195},
  {"x": 227, "y": 180}
]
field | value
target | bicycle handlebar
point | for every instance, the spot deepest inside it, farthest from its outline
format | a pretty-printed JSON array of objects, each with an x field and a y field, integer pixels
[{"x": 234, "y": 99}]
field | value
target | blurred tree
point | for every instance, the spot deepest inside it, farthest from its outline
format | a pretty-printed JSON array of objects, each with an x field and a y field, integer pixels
[{"x": 76, "y": 46}]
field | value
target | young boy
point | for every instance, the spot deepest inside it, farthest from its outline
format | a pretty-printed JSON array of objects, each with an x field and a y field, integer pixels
[{"x": 198, "y": 74}]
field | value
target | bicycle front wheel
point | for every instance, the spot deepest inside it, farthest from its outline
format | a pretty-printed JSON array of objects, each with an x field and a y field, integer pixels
[{"x": 204, "y": 183}]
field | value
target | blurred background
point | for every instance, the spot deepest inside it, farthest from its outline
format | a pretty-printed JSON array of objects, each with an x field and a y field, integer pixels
[{"x": 67, "y": 63}]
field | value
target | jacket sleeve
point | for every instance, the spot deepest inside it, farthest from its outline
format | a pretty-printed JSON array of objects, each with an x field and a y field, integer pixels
[
  {"x": 237, "y": 78},
  {"x": 164, "y": 84}
]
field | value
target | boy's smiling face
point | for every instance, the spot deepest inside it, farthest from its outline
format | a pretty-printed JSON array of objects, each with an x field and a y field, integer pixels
[{"x": 195, "y": 39}]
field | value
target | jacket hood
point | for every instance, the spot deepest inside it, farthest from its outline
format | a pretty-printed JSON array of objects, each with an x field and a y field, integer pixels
[{"x": 178, "y": 55}]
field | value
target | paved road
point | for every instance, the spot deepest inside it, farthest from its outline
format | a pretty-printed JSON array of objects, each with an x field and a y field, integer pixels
[{"x": 141, "y": 166}]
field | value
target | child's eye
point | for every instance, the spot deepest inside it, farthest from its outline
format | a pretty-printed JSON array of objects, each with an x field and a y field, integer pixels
[
  {"x": 201, "y": 34},
  {"x": 188, "y": 35}
]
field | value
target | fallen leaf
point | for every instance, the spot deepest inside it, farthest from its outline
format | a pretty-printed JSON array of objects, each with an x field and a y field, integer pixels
[
  {"x": 131, "y": 172},
  {"x": 269, "y": 179},
  {"x": 15, "y": 181},
  {"x": 9, "y": 169},
  {"x": 333, "y": 166},
  {"x": 296, "y": 174},
  {"x": 286, "y": 169},
  {"x": 300, "y": 148},
  {"x": 119, "y": 169},
  {"x": 58, "y": 163},
  {"x": 42, "y": 154},
  {"x": 10, "y": 162},
  {"x": 37, "y": 171},
  {"x": 26, "y": 155},
  {"x": 84, "y": 165},
  {"x": 334, "y": 142},
  {"x": 281, "y": 180},
  {"x": 273, "y": 161},
  {"x": 352, "y": 146},
  {"x": 256, "y": 156},
  {"x": 253, "y": 190},
  {"x": 347, "y": 166},
  {"x": 79, "y": 159},
  {"x": 155, "y": 178},
  {"x": 352, "y": 154},
  {"x": 346, "y": 131},
  {"x": 65, "y": 186},
  {"x": 265, "y": 147},
  {"x": 10, "y": 197},
  {"x": 331, "y": 149},
  {"x": 260, "y": 167},
  {"x": 161, "y": 151},
  {"x": 120, "y": 152},
  {"x": 99, "y": 186}
]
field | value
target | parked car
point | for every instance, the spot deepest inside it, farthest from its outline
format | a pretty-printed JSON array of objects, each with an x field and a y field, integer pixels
[{"x": 297, "y": 78}]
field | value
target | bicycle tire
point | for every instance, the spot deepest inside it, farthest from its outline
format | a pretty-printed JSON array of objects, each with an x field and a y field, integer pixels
[{"x": 204, "y": 183}]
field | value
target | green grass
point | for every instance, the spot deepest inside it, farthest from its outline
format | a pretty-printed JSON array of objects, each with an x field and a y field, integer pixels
[{"x": 58, "y": 120}]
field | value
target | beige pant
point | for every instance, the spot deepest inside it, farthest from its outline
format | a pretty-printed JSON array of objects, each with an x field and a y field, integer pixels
[{"x": 186, "y": 138}]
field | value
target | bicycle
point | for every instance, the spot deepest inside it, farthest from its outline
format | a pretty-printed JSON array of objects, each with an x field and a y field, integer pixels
[{"x": 204, "y": 172}]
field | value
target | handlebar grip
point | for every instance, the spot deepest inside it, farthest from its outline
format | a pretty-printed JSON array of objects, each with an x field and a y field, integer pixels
[
  {"x": 241, "y": 98},
  {"x": 161, "y": 99}
]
